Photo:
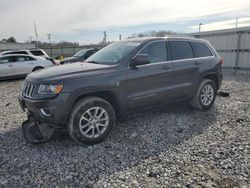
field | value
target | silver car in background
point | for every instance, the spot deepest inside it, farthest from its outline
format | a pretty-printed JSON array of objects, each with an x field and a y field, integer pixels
[
  {"x": 32, "y": 52},
  {"x": 18, "y": 66}
]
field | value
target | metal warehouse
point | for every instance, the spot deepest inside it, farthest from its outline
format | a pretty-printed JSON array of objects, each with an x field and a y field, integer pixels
[{"x": 232, "y": 44}]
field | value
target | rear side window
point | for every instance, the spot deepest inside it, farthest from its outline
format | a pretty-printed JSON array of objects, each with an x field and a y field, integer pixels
[
  {"x": 17, "y": 52},
  {"x": 37, "y": 52},
  {"x": 201, "y": 49},
  {"x": 156, "y": 51},
  {"x": 28, "y": 58},
  {"x": 4, "y": 60},
  {"x": 180, "y": 50}
]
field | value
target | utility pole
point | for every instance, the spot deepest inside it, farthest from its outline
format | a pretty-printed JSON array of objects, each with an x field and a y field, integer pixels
[
  {"x": 236, "y": 23},
  {"x": 120, "y": 37},
  {"x": 104, "y": 38},
  {"x": 49, "y": 38},
  {"x": 200, "y": 27},
  {"x": 36, "y": 34}
]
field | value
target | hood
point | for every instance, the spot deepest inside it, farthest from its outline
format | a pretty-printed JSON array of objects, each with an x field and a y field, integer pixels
[{"x": 67, "y": 71}]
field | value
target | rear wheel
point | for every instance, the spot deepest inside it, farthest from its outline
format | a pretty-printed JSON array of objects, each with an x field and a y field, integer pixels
[
  {"x": 205, "y": 95},
  {"x": 91, "y": 120}
]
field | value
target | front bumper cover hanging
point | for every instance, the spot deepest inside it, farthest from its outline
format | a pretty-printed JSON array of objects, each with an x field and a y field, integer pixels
[{"x": 36, "y": 133}]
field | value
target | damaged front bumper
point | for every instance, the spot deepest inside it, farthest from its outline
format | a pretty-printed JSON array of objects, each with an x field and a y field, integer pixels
[
  {"x": 34, "y": 130},
  {"x": 36, "y": 133}
]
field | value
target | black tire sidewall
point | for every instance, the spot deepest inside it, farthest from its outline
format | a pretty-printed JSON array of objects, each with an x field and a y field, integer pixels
[
  {"x": 79, "y": 110},
  {"x": 211, "y": 83}
]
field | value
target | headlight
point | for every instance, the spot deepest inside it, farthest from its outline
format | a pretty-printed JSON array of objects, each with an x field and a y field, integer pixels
[{"x": 50, "y": 89}]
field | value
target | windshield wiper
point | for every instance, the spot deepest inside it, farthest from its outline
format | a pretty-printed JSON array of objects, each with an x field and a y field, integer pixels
[{"x": 94, "y": 62}]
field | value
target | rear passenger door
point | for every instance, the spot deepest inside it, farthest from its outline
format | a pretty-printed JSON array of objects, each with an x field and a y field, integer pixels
[{"x": 185, "y": 67}]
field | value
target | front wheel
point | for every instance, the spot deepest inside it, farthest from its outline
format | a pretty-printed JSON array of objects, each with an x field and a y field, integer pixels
[
  {"x": 205, "y": 95},
  {"x": 91, "y": 120}
]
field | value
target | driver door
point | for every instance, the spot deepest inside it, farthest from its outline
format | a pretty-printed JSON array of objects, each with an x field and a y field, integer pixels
[{"x": 149, "y": 85}]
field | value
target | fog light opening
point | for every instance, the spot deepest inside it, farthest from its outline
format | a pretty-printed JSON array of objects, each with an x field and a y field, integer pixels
[{"x": 46, "y": 112}]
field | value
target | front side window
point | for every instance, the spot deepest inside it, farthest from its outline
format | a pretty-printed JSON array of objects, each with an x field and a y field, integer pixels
[
  {"x": 180, "y": 50},
  {"x": 113, "y": 53},
  {"x": 28, "y": 58},
  {"x": 201, "y": 50},
  {"x": 156, "y": 51}
]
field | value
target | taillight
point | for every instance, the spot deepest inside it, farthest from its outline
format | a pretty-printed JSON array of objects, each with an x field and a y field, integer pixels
[{"x": 221, "y": 62}]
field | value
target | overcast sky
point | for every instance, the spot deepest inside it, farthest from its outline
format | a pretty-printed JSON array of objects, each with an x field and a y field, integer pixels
[{"x": 84, "y": 20}]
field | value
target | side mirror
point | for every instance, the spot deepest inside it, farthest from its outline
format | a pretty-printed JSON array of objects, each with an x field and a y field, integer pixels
[{"x": 140, "y": 59}]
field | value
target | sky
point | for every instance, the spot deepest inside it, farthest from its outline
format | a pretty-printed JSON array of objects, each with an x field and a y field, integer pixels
[{"x": 84, "y": 21}]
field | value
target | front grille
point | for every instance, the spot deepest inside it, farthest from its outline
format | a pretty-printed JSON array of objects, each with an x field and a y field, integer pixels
[{"x": 28, "y": 90}]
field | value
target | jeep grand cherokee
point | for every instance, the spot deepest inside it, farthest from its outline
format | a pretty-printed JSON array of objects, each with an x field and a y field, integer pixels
[{"x": 87, "y": 98}]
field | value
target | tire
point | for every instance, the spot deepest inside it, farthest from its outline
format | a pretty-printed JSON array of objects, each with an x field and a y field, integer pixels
[
  {"x": 205, "y": 95},
  {"x": 37, "y": 68},
  {"x": 90, "y": 116}
]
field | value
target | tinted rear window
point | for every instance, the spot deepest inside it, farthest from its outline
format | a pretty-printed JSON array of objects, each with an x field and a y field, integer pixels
[
  {"x": 201, "y": 49},
  {"x": 180, "y": 50},
  {"x": 37, "y": 52}
]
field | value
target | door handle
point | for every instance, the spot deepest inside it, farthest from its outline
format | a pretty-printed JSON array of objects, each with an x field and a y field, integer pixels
[
  {"x": 197, "y": 63},
  {"x": 31, "y": 63},
  {"x": 165, "y": 67},
  {"x": 10, "y": 65}
]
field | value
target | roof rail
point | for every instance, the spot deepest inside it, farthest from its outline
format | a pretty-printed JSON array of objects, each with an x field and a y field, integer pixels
[{"x": 180, "y": 36}]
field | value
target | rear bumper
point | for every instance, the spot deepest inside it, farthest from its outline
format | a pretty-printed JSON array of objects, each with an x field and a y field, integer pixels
[{"x": 52, "y": 111}]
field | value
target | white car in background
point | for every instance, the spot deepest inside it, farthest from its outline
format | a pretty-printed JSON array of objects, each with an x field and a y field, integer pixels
[
  {"x": 17, "y": 66},
  {"x": 32, "y": 52}
]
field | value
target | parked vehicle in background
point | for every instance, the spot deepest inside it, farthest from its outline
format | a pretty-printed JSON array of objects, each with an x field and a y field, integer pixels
[
  {"x": 79, "y": 56},
  {"x": 32, "y": 52},
  {"x": 18, "y": 65},
  {"x": 124, "y": 77}
]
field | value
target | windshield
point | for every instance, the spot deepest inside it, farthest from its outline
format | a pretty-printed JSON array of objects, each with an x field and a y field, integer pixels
[
  {"x": 113, "y": 53},
  {"x": 80, "y": 53}
]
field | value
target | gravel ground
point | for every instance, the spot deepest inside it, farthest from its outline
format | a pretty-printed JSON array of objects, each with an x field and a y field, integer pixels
[{"x": 172, "y": 147}]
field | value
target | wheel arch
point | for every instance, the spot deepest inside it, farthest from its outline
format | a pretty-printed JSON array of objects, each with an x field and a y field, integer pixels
[
  {"x": 106, "y": 95},
  {"x": 214, "y": 78},
  {"x": 41, "y": 67}
]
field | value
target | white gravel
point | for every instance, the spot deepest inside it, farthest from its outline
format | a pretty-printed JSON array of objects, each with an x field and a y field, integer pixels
[{"x": 171, "y": 147}]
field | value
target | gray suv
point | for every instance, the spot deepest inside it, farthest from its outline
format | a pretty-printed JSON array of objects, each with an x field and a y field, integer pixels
[{"x": 87, "y": 98}]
